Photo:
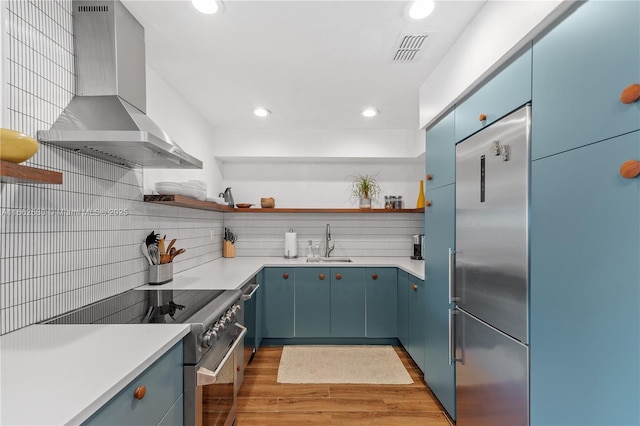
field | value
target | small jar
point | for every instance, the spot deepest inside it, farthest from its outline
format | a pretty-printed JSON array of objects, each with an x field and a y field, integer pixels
[
  {"x": 388, "y": 201},
  {"x": 398, "y": 204}
]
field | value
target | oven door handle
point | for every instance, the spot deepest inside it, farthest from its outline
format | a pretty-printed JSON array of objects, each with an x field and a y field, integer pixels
[
  {"x": 246, "y": 297},
  {"x": 208, "y": 377}
]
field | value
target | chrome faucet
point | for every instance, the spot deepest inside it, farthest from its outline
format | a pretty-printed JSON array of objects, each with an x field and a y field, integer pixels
[{"x": 327, "y": 238}]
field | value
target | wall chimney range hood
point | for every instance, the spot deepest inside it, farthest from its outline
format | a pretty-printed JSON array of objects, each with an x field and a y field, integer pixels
[{"x": 107, "y": 117}]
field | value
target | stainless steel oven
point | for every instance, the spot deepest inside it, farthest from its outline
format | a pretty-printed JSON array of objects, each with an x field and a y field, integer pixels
[
  {"x": 213, "y": 367},
  {"x": 217, "y": 380}
]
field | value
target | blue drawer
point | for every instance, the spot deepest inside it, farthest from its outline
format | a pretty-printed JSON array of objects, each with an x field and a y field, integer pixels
[{"x": 163, "y": 381}]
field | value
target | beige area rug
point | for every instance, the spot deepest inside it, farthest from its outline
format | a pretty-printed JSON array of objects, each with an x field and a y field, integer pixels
[{"x": 342, "y": 364}]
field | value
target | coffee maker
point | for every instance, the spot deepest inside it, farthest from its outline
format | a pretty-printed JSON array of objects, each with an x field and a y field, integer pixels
[{"x": 418, "y": 246}]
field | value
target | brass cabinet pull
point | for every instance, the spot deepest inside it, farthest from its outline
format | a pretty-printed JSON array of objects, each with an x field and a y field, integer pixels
[
  {"x": 140, "y": 392},
  {"x": 321, "y": 276},
  {"x": 285, "y": 276},
  {"x": 483, "y": 117},
  {"x": 427, "y": 203},
  {"x": 630, "y": 169},
  {"x": 338, "y": 276},
  {"x": 414, "y": 287},
  {"x": 374, "y": 276},
  {"x": 429, "y": 176}
]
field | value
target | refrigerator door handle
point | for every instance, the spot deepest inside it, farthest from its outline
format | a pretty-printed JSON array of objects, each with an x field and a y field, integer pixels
[
  {"x": 452, "y": 275},
  {"x": 452, "y": 327}
]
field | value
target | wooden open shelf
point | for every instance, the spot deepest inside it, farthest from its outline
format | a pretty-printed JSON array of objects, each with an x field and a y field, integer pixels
[
  {"x": 17, "y": 173},
  {"x": 183, "y": 201},
  {"x": 192, "y": 203}
]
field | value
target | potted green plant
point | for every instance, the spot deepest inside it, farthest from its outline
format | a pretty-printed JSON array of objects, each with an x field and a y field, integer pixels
[{"x": 365, "y": 188}]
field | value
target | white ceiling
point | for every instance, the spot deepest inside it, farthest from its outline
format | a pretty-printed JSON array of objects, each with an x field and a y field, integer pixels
[{"x": 315, "y": 64}]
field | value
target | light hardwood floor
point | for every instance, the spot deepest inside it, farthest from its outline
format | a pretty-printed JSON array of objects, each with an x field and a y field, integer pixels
[{"x": 263, "y": 401}]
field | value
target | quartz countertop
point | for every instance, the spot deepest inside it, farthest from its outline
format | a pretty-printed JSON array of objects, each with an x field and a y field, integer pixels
[
  {"x": 233, "y": 273},
  {"x": 62, "y": 374}
]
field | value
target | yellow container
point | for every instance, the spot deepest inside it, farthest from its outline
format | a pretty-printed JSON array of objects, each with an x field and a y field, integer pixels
[{"x": 16, "y": 147}]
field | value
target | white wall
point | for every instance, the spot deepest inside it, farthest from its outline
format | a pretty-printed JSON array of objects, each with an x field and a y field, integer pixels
[
  {"x": 500, "y": 29},
  {"x": 188, "y": 129},
  {"x": 317, "y": 183}
]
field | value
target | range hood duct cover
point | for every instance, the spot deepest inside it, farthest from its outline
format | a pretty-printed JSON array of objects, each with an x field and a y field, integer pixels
[{"x": 106, "y": 119}]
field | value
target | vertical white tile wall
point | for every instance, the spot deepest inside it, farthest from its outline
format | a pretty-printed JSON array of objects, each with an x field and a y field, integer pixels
[
  {"x": 66, "y": 246},
  {"x": 354, "y": 234}
]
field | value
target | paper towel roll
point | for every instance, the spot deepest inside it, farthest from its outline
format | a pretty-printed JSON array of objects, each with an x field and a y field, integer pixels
[{"x": 290, "y": 245}]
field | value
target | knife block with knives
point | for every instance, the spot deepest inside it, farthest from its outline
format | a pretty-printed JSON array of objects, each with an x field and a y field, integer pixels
[{"x": 228, "y": 244}]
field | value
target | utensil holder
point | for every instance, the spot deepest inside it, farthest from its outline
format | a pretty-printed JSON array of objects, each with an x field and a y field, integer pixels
[
  {"x": 160, "y": 274},
  {"x": 228, "y": 249}
]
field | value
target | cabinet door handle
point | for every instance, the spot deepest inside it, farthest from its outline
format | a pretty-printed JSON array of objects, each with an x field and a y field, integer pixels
[
  {"x": 427, "y": 203},
  {"x": 285, "y": 276},
  {"x": 338, "y": 276},
  {"x": 630, "y": 169},
  {"x": 321, "y": 276},
  {"x": 140, "y": 392},
  {"x": 414, "y": 287},
  {"x": 630, "y": 94},
  {"x": 452, "y": 275},
  {"x": 482, "y": 117},
  {"x": 374, "y": 276},
  {"x": 429, "y": 176}
]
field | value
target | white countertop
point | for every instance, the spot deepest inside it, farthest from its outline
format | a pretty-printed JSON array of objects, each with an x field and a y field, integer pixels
[
  {"x": 62, "y": 374},
  {"x": 233, "y": 273}
]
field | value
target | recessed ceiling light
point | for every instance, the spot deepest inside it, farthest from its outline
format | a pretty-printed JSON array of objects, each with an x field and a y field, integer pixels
[
  {"x": 208, "y": 7},
  {"x": 420, "y": 9},
  {"x": 261, "y": 112},
  {"x": 369, "y": 112}
]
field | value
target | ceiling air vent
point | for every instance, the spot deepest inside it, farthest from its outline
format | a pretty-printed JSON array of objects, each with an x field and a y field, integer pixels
[
  {"x": 408, "y": 48},
  {"x": 93, "y": 8}
]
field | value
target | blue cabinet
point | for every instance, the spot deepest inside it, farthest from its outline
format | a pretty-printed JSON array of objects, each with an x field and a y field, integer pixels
[
  {"x": 585, "y": 275},
  {"x": 403, "y": 308},
  {"x": 347, "y": 302},
  {"x": 312, "y": 302},
  {"x": 579, "y": 70},
  {"x": 440, "y": 234},
  {"x": 279, "y": 302},
  {"x": 382, "y": 306},
  {"x": 506, "y": 92},
  {"x": 440, "y": 154},
  {"x": 416, "y": 317},
  {"x": 164, "y": 384}
]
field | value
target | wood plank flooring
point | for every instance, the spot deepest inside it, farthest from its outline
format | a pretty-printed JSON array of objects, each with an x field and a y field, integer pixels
[{"x": 263, "y": 401}]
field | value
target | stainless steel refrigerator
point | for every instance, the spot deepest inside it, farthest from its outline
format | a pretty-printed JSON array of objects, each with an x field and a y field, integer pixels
[{"x": 490, "y": 288}]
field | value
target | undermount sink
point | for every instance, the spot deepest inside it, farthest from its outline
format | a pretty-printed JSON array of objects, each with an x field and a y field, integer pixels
[{"x": 330, "y": 260}]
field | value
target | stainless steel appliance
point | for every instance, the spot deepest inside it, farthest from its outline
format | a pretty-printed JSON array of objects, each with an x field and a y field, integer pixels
[
  {"x": 251, "y": 313},
  {"x": 491, "y": 274},
  {"x": 418, "y": 246},
  {"x": 214, "y": 364},
  {"x": 107, "y": 118},
  {"x": 213, "y": 349}
]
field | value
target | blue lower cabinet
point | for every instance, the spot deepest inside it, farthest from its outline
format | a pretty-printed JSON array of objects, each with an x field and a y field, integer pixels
[
  {"x": 175, "y": 416},
  {"x": 585, "y": 287},
  {"x": 313, "y": 302},
  {"x": 347, "y": 302},
  {"x": 416, "y": 319},
  {"x": 382, "y": 305},
  {"x": 439, "y": 373},
  {"x": 279, "y": 302},
  {"x": 163, "y": 383},
  {"x": 403, "y": 308}
]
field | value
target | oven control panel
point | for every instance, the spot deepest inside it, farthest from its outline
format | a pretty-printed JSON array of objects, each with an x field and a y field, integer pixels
[{"x": 222, "y": 325}]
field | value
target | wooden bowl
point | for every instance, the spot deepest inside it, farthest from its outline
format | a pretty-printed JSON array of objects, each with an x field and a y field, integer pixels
[
  {"x": 243, "y": 205},
  {"x": 268, "y": 203}
]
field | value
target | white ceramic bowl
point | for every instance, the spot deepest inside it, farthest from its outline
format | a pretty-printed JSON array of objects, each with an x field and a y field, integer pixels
[{"x": 167, "y": 188}]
